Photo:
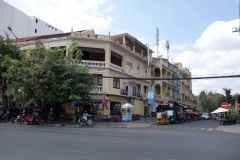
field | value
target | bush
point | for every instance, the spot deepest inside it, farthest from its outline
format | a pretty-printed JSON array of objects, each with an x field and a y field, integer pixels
[{"x": 232, "y": 114}]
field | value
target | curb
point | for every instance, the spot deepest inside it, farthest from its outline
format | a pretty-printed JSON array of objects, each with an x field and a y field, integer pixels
[
  {"x": 105, "y": 126},
  {"x": 229, "y": 128}
]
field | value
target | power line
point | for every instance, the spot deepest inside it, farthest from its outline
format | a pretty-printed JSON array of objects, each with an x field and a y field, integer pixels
[{"x": 183, "y": 78}]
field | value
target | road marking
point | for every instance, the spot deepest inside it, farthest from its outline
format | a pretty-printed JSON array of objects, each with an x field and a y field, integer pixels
[
  {"x": 201, "y": 129},
  {"x": 193, "y": 128},
  {"x": 210, "y": 129}
]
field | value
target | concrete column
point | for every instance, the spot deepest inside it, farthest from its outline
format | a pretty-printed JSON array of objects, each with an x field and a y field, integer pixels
[
  {"x": 134, "y": 47},
  {"x": 107, "y": 57},
  {"x": 124, "y": 41}
]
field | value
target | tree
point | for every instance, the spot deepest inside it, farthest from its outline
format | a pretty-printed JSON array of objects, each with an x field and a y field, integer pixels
[
  {"x": 49, "y": 76},
  {"x": 216, "y": 101},
  {"x": 7, "y": 49},
  {"x": 203, "y": 101},
  {"x": 228, "y": 95}
]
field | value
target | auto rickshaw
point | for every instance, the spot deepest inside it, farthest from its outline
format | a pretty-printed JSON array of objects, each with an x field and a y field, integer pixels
[
  {"x": 162, "y": 118},
  {"x": 29, "y": 115}
]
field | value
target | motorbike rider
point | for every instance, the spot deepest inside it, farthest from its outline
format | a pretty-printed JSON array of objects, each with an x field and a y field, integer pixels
[
  {"x": 188, "y": 118},
  {"x": 85, "y": 116}
]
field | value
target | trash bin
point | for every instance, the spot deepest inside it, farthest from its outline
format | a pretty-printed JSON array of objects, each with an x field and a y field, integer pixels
[{"x": 75, "y": 119}]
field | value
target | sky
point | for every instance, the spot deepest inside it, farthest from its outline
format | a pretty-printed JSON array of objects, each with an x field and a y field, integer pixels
[{"x": 199, "y": 31}]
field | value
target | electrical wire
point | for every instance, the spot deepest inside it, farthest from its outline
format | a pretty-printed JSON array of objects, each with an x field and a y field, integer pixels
[{"x": 183, "y": 78}]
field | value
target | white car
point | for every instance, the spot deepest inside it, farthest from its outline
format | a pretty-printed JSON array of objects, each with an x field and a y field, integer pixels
[{"x": 205, "y": 116}]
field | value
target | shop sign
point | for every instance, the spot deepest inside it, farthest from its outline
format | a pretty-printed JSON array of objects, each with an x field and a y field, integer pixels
[
  {"x": 132, "y": 87},
  {"x": 164, "y": 103}
]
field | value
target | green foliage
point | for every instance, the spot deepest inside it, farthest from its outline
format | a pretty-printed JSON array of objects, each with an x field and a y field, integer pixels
[
  {"x": 228, "y": 96},
  {"x": 7, "y": 49},
  {"x": 232, "y": 114},
  {"x": 46, "y": 76},
  {"x": 210, "y": 101}
]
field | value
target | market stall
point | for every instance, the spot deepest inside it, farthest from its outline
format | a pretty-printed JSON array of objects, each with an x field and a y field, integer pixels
[{"x": 126, "y": 112}]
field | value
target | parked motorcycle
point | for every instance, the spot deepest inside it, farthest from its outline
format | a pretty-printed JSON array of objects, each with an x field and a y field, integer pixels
[
  {"x": 15, "y": 119},
  {"x": 188, "y": 119},
  {"x": 82, "y": 122}
]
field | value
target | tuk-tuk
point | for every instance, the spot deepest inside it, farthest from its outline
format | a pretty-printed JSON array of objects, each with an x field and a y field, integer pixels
[
  {"x": 162, "y": 118},
  {"x": 29, "y": 115}
]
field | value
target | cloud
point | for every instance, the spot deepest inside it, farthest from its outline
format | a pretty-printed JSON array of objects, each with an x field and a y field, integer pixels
[
  {"x": 109, "y": 9},
  {"x": 79, "y": 14},
  {"x": 219, "y": 36},
  {"x": 179, "y": 47},
  {"x": 215, "y": 52}
]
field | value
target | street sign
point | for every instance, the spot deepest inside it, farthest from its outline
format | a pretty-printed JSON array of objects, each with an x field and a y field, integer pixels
[{"x": 224, "y": 105}]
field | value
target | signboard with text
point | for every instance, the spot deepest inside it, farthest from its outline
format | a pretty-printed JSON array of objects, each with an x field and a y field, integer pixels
[{"x": 150, "y": 97}]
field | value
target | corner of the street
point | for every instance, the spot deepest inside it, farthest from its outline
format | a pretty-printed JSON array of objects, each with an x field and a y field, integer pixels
[{"x": 229, "y": 128}]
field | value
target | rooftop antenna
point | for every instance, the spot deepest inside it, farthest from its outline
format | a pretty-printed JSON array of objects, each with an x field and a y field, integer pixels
[
  {"x": 167, "y": 47},
  {"x": 157, "y": 39}
]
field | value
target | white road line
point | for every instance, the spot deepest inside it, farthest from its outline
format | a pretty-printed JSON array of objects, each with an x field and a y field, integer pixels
[
  {"x": 201, "y": 129},
  {"x": 193, "y": 128},
  {"x": 210, "y": 129}
]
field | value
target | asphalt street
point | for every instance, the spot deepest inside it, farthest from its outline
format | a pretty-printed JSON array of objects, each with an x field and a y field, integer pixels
[{"x": 198, "y": 140}]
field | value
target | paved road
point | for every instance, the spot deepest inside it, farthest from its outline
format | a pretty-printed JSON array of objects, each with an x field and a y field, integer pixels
[{"x": 186, "y": 141}]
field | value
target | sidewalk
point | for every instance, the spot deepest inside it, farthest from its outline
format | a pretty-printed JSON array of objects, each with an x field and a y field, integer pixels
[
  {"x": 133, "y": 124},
  {"x": 229, "y": 128}
]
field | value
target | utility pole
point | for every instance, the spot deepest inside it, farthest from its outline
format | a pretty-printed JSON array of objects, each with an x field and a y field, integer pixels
[{"x": 157, "y": 39}]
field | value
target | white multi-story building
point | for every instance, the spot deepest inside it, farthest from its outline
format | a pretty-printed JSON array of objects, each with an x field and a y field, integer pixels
[{"x": 22, "y": 24}]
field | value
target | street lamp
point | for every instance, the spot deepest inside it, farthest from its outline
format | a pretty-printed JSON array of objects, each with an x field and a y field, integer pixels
[
  {"x": 14, "y": 56},
  {"x": 10, "y": 29}
]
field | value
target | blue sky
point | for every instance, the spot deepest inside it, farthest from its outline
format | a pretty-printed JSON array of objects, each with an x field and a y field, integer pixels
[{"x": 199, "y": 31}]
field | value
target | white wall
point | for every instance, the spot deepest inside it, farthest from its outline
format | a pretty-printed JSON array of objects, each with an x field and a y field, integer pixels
[{"x": 22, "y": 24}]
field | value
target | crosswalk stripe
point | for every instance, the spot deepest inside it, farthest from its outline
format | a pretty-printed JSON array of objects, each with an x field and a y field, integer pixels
[
  {"x": 210, "y": 129},
  {"x": 201, "y": 128}
]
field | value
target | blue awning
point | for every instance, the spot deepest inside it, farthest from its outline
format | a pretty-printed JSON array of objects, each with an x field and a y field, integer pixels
[{"x": 76, "y": 102}]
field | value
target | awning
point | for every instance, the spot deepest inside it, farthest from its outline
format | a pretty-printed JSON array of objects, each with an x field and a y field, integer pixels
[
  {"x": 188, "y": 111},
  {"x": 128, "y": 106},
  {"x": 76, "y": 102},
  {"x": 219, "y": 110}
]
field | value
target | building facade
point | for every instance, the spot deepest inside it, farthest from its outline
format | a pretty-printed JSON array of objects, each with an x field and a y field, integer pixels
[
  {"x": 125, "y": 72},
  {"x": 22, "y": 24}
]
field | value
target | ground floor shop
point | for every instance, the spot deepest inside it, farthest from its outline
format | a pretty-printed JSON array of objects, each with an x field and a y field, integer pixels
[{"x": 108, "y": 105}]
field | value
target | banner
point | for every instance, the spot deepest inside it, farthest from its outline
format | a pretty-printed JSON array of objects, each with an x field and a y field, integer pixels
[{"x": 150, "y": 97}]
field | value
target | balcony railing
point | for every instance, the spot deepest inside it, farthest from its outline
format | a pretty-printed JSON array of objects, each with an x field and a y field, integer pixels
[
  {"x": 116, "y": 68},
  {"x": 92, "y": 63},
  {"x": 97, "y": 89}
]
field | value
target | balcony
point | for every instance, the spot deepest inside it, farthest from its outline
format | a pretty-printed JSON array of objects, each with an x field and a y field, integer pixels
[
  {"x": 116, "y": 68},
  {"x": 157, "y": 97},
  {"x": 144, "y": 95},
  {"x": 97, "y": 64},
  {"x": 97, "y": 89},
  {"x": 165, "y": 64}
]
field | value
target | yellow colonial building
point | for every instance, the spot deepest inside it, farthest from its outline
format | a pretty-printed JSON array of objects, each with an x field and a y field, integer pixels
[{"x": 125, "y": 71}]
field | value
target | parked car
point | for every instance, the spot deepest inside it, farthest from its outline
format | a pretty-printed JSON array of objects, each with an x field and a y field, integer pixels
[{"x": 205, "y": 116}]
